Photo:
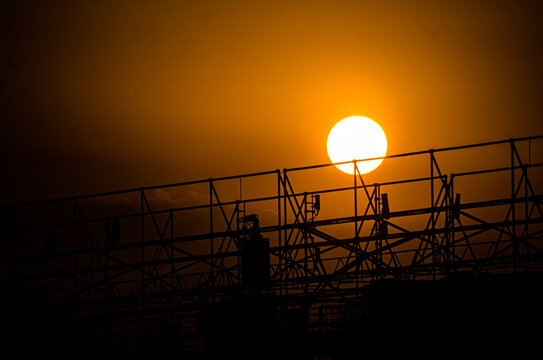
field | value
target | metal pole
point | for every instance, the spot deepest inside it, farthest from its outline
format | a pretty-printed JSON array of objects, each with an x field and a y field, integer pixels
[
  {"x": 238, "y": 241},
  {"x": 306, "y": 243},
  {"x": 211, "y": 234},
  {"x": 379, "y": 241},
  {"x": 142, "y": 252},
  {"x": 355, "y": 201},
  {"x": 432, "y": 236},
  {"x": 455, "y": 211},
  {"x": 526, "y": 231},
  {"x": 513, "y": 215},
  {"x": 172, "y": 277},
  {"x": 285, "y": 221},
  {"x": 75, "y": 242},
  {"x": 279, "y": 241}
]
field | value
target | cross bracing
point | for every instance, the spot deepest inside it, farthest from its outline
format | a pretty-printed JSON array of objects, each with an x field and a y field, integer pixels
[{"x": 114, "y": 264}]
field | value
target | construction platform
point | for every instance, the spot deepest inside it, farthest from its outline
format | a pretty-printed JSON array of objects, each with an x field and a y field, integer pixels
[{"x": 443, "y": 259}]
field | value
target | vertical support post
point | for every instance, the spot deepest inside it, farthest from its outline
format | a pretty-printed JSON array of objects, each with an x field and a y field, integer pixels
[
  {"x": 513, "y": 215},
  {"x": 443, "y": 245},
  {"x": 380, "y": 235},
  {"x": 285, "y": 221},
  {"x": 355, "y": 167},
  {"x": 237, "y": 241},
  {"x": 355, "y": 186},
  {"x": 75, "y": 243},
  {"x": 211, "y": 280},
  {"x": 432, "y": 223},
  {"x": 279, "y": 240},
  {"x": 172, "y": 275},
  {"x": 306, "y": 244},
  {"x": 142, "y": 251},
  {"x": 451, "y": 248},
  {"x": 447, "y": 201},
  {"x": 526, "y": 232}
]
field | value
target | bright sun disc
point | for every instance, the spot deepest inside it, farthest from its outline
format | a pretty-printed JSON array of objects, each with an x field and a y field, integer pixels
[{"x": 357, "y": 138}]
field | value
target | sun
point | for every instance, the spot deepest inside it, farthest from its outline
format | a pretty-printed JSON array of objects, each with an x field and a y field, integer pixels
[{"x": 357, "y": 138}]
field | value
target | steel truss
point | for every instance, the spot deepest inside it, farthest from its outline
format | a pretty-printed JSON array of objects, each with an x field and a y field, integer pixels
[{"x": 103, "y": 270}]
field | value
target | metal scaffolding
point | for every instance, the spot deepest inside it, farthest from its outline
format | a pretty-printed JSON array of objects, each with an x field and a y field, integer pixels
[{"x": 111, "y": 273}]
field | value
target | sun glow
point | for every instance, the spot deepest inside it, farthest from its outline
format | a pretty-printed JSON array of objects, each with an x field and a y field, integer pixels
[{"x": 357, "y": 138}]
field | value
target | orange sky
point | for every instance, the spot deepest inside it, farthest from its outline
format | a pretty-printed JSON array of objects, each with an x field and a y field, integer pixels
[{"x": 132, "y": 93}]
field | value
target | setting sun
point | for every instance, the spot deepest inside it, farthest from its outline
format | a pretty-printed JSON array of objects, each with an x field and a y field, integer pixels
[{"x": 357, "y": 137}]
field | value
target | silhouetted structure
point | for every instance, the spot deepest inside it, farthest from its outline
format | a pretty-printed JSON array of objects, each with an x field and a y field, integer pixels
[{"x": 186, "y": 270}]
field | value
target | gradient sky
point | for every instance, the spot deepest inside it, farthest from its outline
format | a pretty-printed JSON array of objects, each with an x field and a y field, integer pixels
[{"x": 117, "y": 94}]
